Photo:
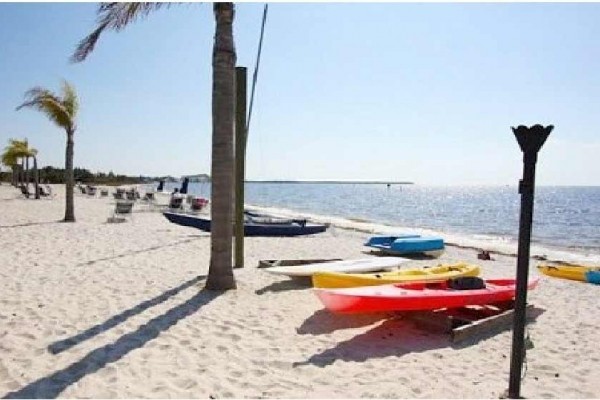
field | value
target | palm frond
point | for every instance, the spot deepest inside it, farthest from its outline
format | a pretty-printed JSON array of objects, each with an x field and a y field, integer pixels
[
  {"x": 114, "y": 16},
  {"x": 48, "y": 103},
  {"x": 69, "y": 100}
]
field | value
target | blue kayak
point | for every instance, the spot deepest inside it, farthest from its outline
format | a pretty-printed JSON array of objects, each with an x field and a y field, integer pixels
[
  {"x": 407, "y": 244},
  {"x": 253, "y": 226},
  {"x": 593, "y": 277}
]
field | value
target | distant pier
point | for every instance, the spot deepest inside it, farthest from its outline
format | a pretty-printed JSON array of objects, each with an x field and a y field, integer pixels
[{"x": 339, "y": 182}]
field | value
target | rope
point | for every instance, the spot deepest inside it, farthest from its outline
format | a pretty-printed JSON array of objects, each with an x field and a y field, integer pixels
[{"x": 255, "y": 76}]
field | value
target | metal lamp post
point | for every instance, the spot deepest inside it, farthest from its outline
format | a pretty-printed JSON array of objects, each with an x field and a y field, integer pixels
[{"x": 530, "y": 140}]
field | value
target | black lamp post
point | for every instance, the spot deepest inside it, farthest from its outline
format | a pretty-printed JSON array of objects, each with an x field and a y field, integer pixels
[{"x": 530, "y": 140}]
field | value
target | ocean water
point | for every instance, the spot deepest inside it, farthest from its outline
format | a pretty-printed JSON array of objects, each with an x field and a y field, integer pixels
[{"x": 565, "y": 218}]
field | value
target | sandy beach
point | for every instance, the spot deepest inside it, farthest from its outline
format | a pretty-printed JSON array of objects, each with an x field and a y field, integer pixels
[{"x": 91, "y": 309}]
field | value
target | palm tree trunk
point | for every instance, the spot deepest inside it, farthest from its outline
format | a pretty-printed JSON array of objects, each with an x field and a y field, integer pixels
[
  {"x": 22, "y": 174},
  {"x": 14, "y": 174},
  {"x": 69, "y": 179},
  {"x": 36, "y": 178},
  {"x": 220, "y": 273},
  {"x": 27, "y": 172}
]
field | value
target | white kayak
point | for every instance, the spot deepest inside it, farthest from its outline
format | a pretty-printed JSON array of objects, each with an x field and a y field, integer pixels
[{"x": 355, "y": 266}]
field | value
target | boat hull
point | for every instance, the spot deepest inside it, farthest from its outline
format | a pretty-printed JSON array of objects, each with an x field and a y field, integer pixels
[
  {"x": 427, "y": 274},
  {"x": 407, "y": 244},
  {"x": 415, "y": 296},
  {"x": 570, "y": 272},
  {"x": 355, "y": 266},
  {"x": 250, "y": 229}
]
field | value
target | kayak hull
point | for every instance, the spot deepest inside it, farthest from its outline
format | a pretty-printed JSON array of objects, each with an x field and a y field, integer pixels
[
  {"x": 415, "y": 296},
  {"x": 427, "y": 274},
  {"x": 407, "y": 244},
  {"x": 570, "y": 272},
  {"x": 344, "y": 266}
]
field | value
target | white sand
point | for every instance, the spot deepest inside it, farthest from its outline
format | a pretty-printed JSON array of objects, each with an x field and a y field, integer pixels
[{"x": 92, "y": 309}]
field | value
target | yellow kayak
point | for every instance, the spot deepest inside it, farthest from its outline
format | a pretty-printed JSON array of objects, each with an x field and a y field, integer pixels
[
  {"x": 427, "y": 274},
  {"x": 572, "y": 272}
]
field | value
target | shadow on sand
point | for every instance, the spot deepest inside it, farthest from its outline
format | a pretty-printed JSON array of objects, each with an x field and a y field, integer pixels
[
  {"x": 134, "y": 252},
  {"x": 52, "y": 385},
  {"x": 298, "y": 283},
  {"x": 65, "y": 344},
  {"x": 393, "y": 337},
  {"x": 30, "y": 224},
  {"x": 323, "y": 321}
]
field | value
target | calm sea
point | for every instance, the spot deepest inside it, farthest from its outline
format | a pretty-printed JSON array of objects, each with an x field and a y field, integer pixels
[{"x": 566, "y": 218}]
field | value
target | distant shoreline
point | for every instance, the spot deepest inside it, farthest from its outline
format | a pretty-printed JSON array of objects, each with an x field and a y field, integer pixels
[{"x": 339, "y": 182}]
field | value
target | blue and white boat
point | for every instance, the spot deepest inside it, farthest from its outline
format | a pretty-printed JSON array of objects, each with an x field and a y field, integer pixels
[
  {"x": 253, "y": 225},
  {"x": 432, "y": 246}
]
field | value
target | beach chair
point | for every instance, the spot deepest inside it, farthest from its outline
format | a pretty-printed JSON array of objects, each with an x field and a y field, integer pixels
[
  {"x": 118, "y": 195},
  {"x": 91, "y": 191},
  {"x": 131, "y": 195},
  {"x": 43, "y": 191},
  {"x": 176, "y": 203},
  {"x": 122, "y": 210},
  {"x": 104, "y": 193},
  {"x": 25, "y": 191}
]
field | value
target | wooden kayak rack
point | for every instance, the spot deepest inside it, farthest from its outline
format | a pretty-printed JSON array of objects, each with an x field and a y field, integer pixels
[{"x": 466, "y": 322}]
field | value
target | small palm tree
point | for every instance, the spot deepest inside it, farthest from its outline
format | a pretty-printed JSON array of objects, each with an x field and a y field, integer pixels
[
  {"x": 10, "y": 158},
  {"x": 19, "y": 149},
  {"x": 62, "y": 110},
  {"x": 116, "y": 16}
]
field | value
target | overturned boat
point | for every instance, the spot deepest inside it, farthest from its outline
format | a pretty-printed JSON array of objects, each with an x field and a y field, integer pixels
[{"x": 253, "y": 226}]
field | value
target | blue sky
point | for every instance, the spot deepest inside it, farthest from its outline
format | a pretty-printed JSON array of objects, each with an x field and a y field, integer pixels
[{"x": 419, "y": 92}]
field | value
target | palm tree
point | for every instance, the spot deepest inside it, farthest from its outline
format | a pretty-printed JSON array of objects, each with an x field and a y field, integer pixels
[
  {"x": 116, "y": 16},
  {"x": 18, "y": 150},
  {"x": 10, "y": 158},
  {"x": 22, "y": 149},
  {"x": 62, "y": 110}
]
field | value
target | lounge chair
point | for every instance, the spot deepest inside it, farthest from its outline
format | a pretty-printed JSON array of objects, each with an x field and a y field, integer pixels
[
  {"x": 43, "y": 191},
  {"x": 131, "y": 195},
  {"x": 121, "y": 211},
  {"x": 176, "y": 202},
  {"x": 91, "y": 191},
  {"x": 118, "y": 195},
  {"x": 104, "y": 193},
  {"x": 25, "y": 191}
]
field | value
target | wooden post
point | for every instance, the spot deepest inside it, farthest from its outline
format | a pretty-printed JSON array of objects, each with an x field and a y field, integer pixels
[
  {"x": 530, "y": 140},
  {"x": 240, "y": 163}
]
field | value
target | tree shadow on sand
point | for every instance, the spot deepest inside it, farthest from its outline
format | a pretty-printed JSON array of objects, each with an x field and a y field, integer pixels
[
  {"x": 392, "y": 338},
  {"x": 65, "y": 344},
  {"x": 53, "y": 385},
  {"x": 324, "y": 321},
  {"x": 134, "y": 252},
  {"x": 30, "y": 224},
  {"x": 298, "y": 283}
]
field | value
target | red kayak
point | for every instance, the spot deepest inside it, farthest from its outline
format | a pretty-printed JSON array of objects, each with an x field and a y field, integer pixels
[{"x": 417, "y": 296}]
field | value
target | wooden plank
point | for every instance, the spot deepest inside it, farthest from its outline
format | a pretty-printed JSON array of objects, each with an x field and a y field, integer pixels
[{"x": 494, "y": 323}]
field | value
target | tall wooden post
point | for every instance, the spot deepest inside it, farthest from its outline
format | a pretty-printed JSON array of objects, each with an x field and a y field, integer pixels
[
  {"x": 240, "y": 162},
  {"x": 530, "y": 140}
]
